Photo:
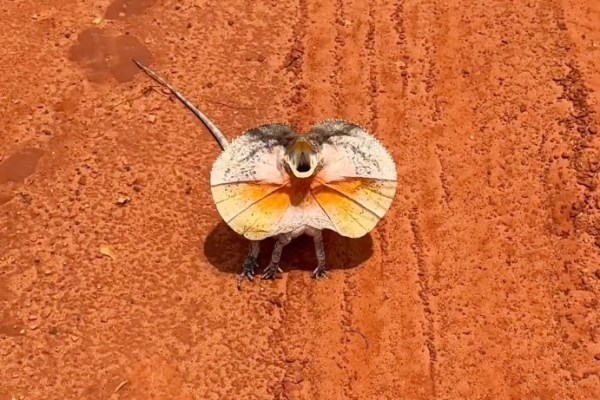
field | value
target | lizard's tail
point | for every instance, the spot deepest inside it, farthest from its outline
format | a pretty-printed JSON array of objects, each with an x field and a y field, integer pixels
[{"x": 203, "y": 118}]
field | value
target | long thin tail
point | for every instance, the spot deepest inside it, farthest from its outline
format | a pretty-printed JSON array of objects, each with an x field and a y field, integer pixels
[{"x": 203, "y": 118}]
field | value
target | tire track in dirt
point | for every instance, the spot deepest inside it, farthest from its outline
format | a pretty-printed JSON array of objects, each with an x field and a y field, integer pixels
[
  {"x": 356, "y": 321},
  {"x": 489, "y": 85},
  {"x": 294, "y": 63},
  {"x": 294, "y": 359},
  {"x": 432, "y": 26},
  {"x": 358, "y": 86},
  {"x": 315, "y": 314},
  {"x": 398, "y": 22},
  {"x": 574, "y": 209},
  {"x": 354, "y": 350},
  {"x": 578, "y": 203},
  {"x": 394, "y": 98},
  {"x": 447, "y": 195},
  {"x": 437, "y": 29},
  {"x": 414, "y": 25},
  {"x": 372, "y": 68},
  {"x": 419, "y": 251},
  {"x": 366, "y": 74},
  {"x": 400, "y": 345},
  {"x": 340, "y": 22}
]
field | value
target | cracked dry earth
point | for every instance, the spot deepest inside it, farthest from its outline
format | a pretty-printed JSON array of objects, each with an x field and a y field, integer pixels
[{"x": 482, "y": 282}]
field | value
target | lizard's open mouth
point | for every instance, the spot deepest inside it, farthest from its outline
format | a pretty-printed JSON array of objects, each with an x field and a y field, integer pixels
[
  {"x": 302, "y": 158},
  {"x": 303, "y": 163}
]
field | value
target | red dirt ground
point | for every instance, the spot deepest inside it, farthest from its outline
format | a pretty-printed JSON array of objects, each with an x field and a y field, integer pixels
[{"x": 482, "y": 282}]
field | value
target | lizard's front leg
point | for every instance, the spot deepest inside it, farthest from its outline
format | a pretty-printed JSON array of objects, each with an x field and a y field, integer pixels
[
  {"x": 273, "y": 267},
  {"x": 320, "y": 271},
  {"x": 250, "y": 263}
]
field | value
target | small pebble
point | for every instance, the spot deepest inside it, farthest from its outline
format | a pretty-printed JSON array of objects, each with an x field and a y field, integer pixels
[{"x": 123, "y": 200}]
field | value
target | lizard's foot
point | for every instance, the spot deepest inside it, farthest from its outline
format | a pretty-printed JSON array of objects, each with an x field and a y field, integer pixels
[
  {"x": 248, "y": 270},
  {"x": 271, "y": 272},
  {"x": 320, "y": 272}
]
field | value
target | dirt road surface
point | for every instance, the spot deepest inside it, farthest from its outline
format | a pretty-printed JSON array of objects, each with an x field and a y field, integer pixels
[{"x": 117, "y": 278}]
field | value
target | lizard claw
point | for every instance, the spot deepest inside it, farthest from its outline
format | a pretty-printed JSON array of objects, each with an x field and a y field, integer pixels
[
  {"x": 320, "y": 272},
  {"x": 271, "y": 272},
  {"x": 248, "y": 272}
]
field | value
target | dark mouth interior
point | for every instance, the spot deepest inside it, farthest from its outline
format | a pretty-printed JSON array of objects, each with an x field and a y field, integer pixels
[{"x": 303, "y": 164}]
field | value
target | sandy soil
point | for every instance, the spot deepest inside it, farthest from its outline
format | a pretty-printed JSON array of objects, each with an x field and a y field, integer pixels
[{"x": 482, "y": 282}]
